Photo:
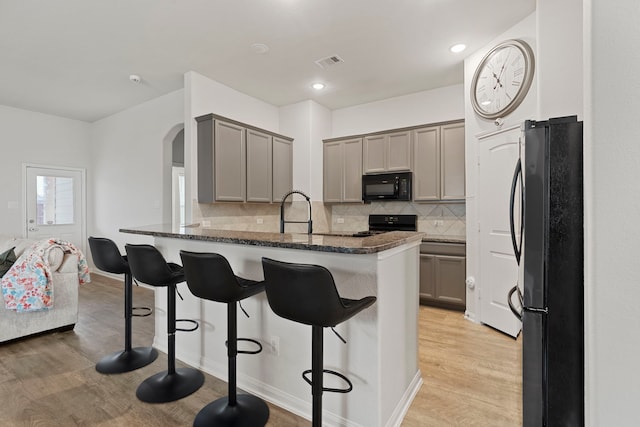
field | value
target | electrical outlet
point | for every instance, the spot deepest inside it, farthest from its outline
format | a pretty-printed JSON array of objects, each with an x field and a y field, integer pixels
[
  {"x": 206, "y": 223},
  {"x": 437, "y": 222},
  {"x": 275, "y": 345},
  {"x": 259, "y": 221},
  {"x": 340, "y": 220}
]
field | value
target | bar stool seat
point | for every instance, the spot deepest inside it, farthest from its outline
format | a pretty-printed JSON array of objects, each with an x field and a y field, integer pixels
[
  {"x": 149, "y": 266},
  {"x": 210, "y": 277},
  {"x": 307, "y": 294},
  {"x": 107, "y": 257}
]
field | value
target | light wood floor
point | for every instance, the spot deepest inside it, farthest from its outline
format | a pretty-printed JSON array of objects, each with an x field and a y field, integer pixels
[{"x": 471, "y": 373}]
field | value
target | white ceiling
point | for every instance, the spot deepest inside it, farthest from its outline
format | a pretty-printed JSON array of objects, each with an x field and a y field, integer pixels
[{"x": 73, "y": 58}]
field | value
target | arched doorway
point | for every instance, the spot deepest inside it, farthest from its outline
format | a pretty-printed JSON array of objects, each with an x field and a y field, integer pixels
[{"x": 173, "y": 183}]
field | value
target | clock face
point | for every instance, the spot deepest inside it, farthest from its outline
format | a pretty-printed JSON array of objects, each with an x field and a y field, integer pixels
[{"x": 502, "y": 79}]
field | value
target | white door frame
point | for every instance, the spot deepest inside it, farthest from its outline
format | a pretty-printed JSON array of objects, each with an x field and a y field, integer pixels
[{"x": 83, "y": 195}]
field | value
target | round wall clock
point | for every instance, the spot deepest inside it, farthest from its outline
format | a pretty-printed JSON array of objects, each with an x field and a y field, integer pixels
[{"x": 502, "y": 79}]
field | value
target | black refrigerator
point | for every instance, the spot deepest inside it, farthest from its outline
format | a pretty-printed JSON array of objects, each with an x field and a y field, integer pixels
[{"x": 549, "y": 248}]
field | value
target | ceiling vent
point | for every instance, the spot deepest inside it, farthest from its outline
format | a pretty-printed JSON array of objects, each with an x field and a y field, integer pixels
[{"x": 329, "y": 61}]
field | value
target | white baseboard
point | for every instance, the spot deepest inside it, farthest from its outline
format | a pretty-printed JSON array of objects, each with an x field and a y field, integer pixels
[{"x": 403, "y": 406}]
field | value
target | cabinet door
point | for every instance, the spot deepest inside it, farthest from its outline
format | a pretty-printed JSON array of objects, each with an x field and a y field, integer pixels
[
  {"x": 399, "y": 151},
  {"x": 452, "y": 162},
  {"x": 427, "y": 276},
  {"x": 374, "y": 152},
  {"x": 332, "y": 171},
  {"x": 230, "y": 162},
  {"x": 450, "y": 277},
  {"x": 282, "y": 168},
  {"x": 205, "y": 160},
  {"x": 426, "y": 169},
  {"x": 352, "y": 170},
  {"x": 259, "y": 162}
]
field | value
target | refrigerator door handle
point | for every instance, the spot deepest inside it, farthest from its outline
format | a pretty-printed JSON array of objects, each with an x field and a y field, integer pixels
[
  {"x": 517, "y": 245},
  {"x": 514, "y": 310}
]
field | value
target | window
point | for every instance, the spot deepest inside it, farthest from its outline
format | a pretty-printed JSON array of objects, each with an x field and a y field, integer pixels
[{"x": 54, "y": 204}]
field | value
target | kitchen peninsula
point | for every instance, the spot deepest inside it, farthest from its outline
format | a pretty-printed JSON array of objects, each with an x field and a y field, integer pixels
[{"x": 381, "y": 354}]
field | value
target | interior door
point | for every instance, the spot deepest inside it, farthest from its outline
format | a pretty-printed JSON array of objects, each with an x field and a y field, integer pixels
[
  {"x": 54, "y": 204},
  {"x": 498, "y": 155}
]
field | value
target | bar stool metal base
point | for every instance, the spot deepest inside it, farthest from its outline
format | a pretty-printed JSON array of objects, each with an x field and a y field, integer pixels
[
  {"x": 249, "y": 411},
  {"x": 165, "y": 387},
  {"x": 126, "y": 360}
]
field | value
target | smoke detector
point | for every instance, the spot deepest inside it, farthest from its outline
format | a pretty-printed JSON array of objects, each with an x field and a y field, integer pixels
[
  {"x": 329, "y": 61},
  {"x": 135, "y": 78}
]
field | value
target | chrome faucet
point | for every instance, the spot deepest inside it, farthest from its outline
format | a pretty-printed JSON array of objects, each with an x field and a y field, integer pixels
[{"x": 283, "y": 222}]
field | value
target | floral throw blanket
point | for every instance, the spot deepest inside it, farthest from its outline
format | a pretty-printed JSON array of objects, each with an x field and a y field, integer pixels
[{"x": 27, "y": 286}]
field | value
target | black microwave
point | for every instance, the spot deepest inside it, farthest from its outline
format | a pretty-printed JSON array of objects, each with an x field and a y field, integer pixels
[{"x": 386, "y": 186}]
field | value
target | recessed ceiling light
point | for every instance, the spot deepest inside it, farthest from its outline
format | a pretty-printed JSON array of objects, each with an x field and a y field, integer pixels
[
  {"x": 457, "y": 48},
  {"x": 318, "y": 86}
]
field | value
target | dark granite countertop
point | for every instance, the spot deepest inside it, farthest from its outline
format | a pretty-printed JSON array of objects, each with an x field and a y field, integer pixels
[
  {"x": 444, "y": 239},
  {"x": 323, "y": 242}
]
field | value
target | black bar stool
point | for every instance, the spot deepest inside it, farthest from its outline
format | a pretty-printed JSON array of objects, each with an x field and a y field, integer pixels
[
  {"x": 307, "y": 294},
  {"x": 107, "y": 257},
  {"x": 149, "y": 266},
  {"x": 209, "y": 276}
]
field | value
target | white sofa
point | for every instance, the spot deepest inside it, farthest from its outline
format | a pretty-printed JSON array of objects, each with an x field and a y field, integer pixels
[{"x": 64, "y": 313}]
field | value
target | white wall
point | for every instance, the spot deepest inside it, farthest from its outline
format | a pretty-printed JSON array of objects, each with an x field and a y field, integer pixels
[
  {"x": 308, "y": 123},
  {"x": 612, "y": 210},
  {"x": 559, "y": 58},
  {"x": 127, "y": 181},
  {"x": 431, "y": 106},
  {"x": 28, "y": 137}
]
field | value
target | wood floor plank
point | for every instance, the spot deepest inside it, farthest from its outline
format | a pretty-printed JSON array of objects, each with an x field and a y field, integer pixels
[{"x": 471, "y": 373}]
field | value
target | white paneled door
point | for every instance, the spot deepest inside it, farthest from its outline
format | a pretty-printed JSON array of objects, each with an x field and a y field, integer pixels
[
  {"x": 55, "y": 203},
  {"x": 498, "y": 154}
]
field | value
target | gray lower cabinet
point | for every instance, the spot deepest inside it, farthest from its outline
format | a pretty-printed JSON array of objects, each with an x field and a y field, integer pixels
[
  {"x": 342, "y": 171},
  {"x": 241, "y": 163},
  {"x": 442, "y": 275}
]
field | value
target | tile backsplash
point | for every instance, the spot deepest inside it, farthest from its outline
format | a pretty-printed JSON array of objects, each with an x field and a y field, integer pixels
[{"x": 436, "y": 219}]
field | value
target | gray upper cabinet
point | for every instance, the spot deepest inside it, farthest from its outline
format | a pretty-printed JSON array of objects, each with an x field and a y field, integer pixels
[
  {"x": 238, "y": 162},
  {"x": 438, "y": 169},
  {"x": 282, "y": 168},
  {"x": 229, "y": 162},
  {"x": 342, "y": 171},
  {"x": 387, "y": 152},
  {"x": 259, "y": 155},
  {"x": 452, "y": 162},
  {"x": 426, "y": 172}
]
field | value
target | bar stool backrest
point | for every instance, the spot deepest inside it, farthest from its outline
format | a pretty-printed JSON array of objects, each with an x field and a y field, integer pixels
[
  {"x": 107, "y": 257},
  {"x": 209, "y": 276},
  {"x": 149, "y": 266},
  {"x": 304, "y": 293}
]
